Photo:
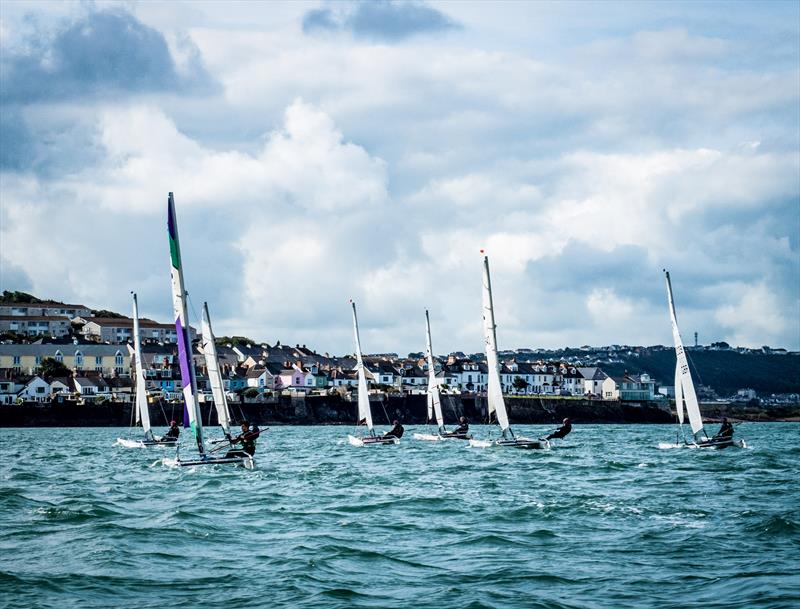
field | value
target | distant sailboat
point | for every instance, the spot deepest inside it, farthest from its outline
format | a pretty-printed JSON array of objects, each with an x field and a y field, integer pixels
[
  {"x": 434, "y": 396},
  {"x": 215, "y": 376},
  {"x": 236, "y": 457},
  {"x": 364, "y": 411},
  {"x": 140, "y": 405},
  {"x": 684, "y": 389},
  {"x": 494, "y": 393}
]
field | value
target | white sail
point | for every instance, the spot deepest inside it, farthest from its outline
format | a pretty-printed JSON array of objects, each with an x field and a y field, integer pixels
[
  {"x": 214, "y": 374},
  {"x": 678, "y": 394},
  {"x": 494, "y": 393},
  {"x": 364, "y": 412},
  {"x": 434, "y": 398},
  {"x": 687, "y": 386},
  {"x": 142, "y": 409},
  {"x": 182, "y": 328}
]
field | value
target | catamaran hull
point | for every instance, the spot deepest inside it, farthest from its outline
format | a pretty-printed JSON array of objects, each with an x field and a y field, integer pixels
[
  {"x": 523, "y": 443},
  {"x": 144, "y": 443},
  {"x": 722, "y": 443},
  {"x": 372, "y": 441},
  {"x": 245, "y": 461},
  {"x": 437, "y": 437}
]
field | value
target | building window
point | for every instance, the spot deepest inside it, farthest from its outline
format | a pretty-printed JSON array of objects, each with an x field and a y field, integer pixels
[
  {"x": 40, "y": 390},
  {"x": 98, "y": 360},
  {"x": 117, "y": 359},
  {"x": 17, "y": 360},
  {"x": 59, "y": 356},
  {"x": 78, "y": 359},
  {"x": 118, "y": 370}
]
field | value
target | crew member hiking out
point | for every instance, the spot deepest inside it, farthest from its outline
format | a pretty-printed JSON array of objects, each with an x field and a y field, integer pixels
[
  {"x": 463, "y": 427},
  {"x": 396, "y": 431},
  {"x": 562, "y": 431}
]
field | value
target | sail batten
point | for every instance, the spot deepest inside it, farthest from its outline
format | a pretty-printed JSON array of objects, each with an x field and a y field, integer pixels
[
  {"x": 142, "y": 408},
  {"x": 188, "y": 379},
  {"x": 683, "y": 375},
  {"x": 494, "y": 392},
  {"x": 214, "y": 374},
  {"x": 434, "y": 396},
  {"x": 364, "y": 411}
]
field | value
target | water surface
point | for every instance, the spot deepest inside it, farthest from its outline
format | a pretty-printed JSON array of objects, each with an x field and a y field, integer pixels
[{"x": 606, "y": 520}]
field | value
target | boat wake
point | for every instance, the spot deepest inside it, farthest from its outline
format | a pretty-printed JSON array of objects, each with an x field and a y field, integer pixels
[
  {"x": 167, "y": 462},
  {"x": 129, "y": 443},
  {"x": 480, "y": 443},
  {"x": 353, "y": 441},
  {"x": 427, "y": 436}
]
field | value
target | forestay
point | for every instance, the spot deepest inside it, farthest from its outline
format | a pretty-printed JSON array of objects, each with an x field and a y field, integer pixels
[
  {"x": 494, "y": 393},
  {"x": 214, "y": 374},
  {"x": 682, "y": 371},
  {"x": 364, "y": 412},
  {"x": 142, "y": 408},
  {"x": 434, "y": 398},
  {"x": 182, "y": 328}
]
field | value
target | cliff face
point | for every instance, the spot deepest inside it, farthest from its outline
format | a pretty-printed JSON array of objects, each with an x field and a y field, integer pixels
[{"x": 410, "y": 410}]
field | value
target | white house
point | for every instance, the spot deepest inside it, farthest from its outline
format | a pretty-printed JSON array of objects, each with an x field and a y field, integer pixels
[{"x": 35, "y": 390}]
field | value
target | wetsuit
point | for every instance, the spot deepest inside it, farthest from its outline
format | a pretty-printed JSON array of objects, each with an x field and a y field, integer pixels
[
  {"x": 397, "y": 431},
  {"x": 461, "y": 430},
  {"x": 173, "y": 432},
  {"x": 726, "y": 431},
  {"x": 248, "y": 440},
  {"x": 561, "y": 431}
]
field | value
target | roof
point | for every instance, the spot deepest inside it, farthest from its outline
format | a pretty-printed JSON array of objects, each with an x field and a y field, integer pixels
[
  {"x": 35, "y": 318},
  {"x": 126, "y": 322},
  {"x": 49, "y": 350}
]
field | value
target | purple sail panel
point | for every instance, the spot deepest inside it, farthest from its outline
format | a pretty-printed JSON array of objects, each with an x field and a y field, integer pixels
[{"x": 183, "y": 355}]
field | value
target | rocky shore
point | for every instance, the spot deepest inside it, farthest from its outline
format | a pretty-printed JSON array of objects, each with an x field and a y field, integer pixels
[{"x": 410, "y": 409}]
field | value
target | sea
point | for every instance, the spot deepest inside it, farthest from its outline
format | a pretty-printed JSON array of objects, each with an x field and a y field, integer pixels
[{"x": 612, "y": 517}]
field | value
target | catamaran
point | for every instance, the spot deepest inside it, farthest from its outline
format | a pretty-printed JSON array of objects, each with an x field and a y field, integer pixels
[
  {"x": 494, "y": 393},
  {"x": 140, "y": 405},
  {"x": 188, "y": 379},
  {"x": 685, "y": 394},
  {"x": 215, "y": 376},
  {"x": 364, "y": 411},
  {"x": 435, "y": 398}
]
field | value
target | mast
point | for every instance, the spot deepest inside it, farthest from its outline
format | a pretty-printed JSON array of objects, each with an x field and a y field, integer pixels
[
  {"x": 434, "y": 399},
  {"x": 142, "y": 409},
  {"x": 364, "y": 412},
  {"x": 683, "y": 377},
  {"x": 494, "y": 392},
  {"x": 214, "y": 374},
  {"x": 182, "y": 328}
]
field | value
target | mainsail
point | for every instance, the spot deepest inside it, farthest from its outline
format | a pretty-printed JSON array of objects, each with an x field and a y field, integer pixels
[
  {"x": 182, "y": 328},
  {"x": 142, "y": 409},
  {"x": 434, "y": 399},
  {"x": 494, "y": 393},
  {"x": 214, "y": 375},
  {"x": 678, "y": 394},
  {"x": 364, "y": 412},
  {"x": 683, "y": 375}
]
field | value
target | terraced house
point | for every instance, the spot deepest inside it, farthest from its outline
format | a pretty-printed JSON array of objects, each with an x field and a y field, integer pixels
[{"x": 110, "y": 360}]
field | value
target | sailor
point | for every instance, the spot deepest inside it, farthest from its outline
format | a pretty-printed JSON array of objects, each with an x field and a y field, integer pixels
[
  {"x": 174, "y": 431},
  {"x": 726, "y": 430},
  {"x": 562, "y": 431},
  {"x": 396, "y": 431},
  {"x": 463, "y": 427},
  {"x": 247, "y": 438}
]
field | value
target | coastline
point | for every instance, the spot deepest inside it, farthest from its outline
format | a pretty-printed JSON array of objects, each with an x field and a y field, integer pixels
[{"x": 410, "y": 409}]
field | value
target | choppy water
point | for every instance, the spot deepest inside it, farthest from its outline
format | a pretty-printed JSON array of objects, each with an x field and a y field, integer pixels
[{"x": 612, "y": 521}]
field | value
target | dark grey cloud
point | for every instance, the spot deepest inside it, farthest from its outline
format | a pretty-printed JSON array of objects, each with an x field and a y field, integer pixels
[
  {"x": 104, "y": 53},
  {"x": 386, "y": 20}
]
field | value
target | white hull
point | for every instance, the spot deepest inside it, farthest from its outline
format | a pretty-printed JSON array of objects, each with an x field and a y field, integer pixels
[
  {"x": 371, "y": 441},
  {"x": 246, "y": 462},
  {"x": 524, "y": 443},
  {"x": 429, "y": 437},
  {"x": 125, "y": 443}
]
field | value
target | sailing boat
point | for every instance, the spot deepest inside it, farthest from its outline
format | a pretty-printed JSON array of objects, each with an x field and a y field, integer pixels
[
  {"x": 188, "y": 380},
  {"x": 494, "y": 392},
  {"x": 364, "y": 411},
  {"x": 140, "y": 405},
  {"x": 434, "y": 397},
  {"x": 215, "y": 376},
  {"x": 684, "y": 390}
]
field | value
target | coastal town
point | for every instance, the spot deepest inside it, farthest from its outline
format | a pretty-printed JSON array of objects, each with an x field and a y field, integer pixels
[{"x": 52, "y": 351}]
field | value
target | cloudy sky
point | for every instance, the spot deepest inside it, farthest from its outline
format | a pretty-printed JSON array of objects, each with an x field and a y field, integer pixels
[{"x": 326, "y": 151}]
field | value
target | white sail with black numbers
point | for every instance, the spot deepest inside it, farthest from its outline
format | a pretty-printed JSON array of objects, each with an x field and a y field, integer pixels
[
  {"x": 685, "y": 380},
  {"x": 364, "y": 412},
  {"x": 214, "y": 374},
  {"x": 142, "y": 408},
  {"x": 494, "y": 391},
  {"x": 434, "y": 397}
]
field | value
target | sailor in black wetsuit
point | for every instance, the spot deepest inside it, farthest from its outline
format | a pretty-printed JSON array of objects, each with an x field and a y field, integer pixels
[
  {"x": 247, "y": 439},
  {"x": 562, "y": 431},
  {"x": 462, "y": 429},
  {"x": 396, "y": 431},
  {"x": 173, "y": 433},
  {"x": 725, "y": 431}
]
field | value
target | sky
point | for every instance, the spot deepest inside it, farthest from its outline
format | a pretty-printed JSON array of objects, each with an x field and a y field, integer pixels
[{"x": 323, "y": 151}]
